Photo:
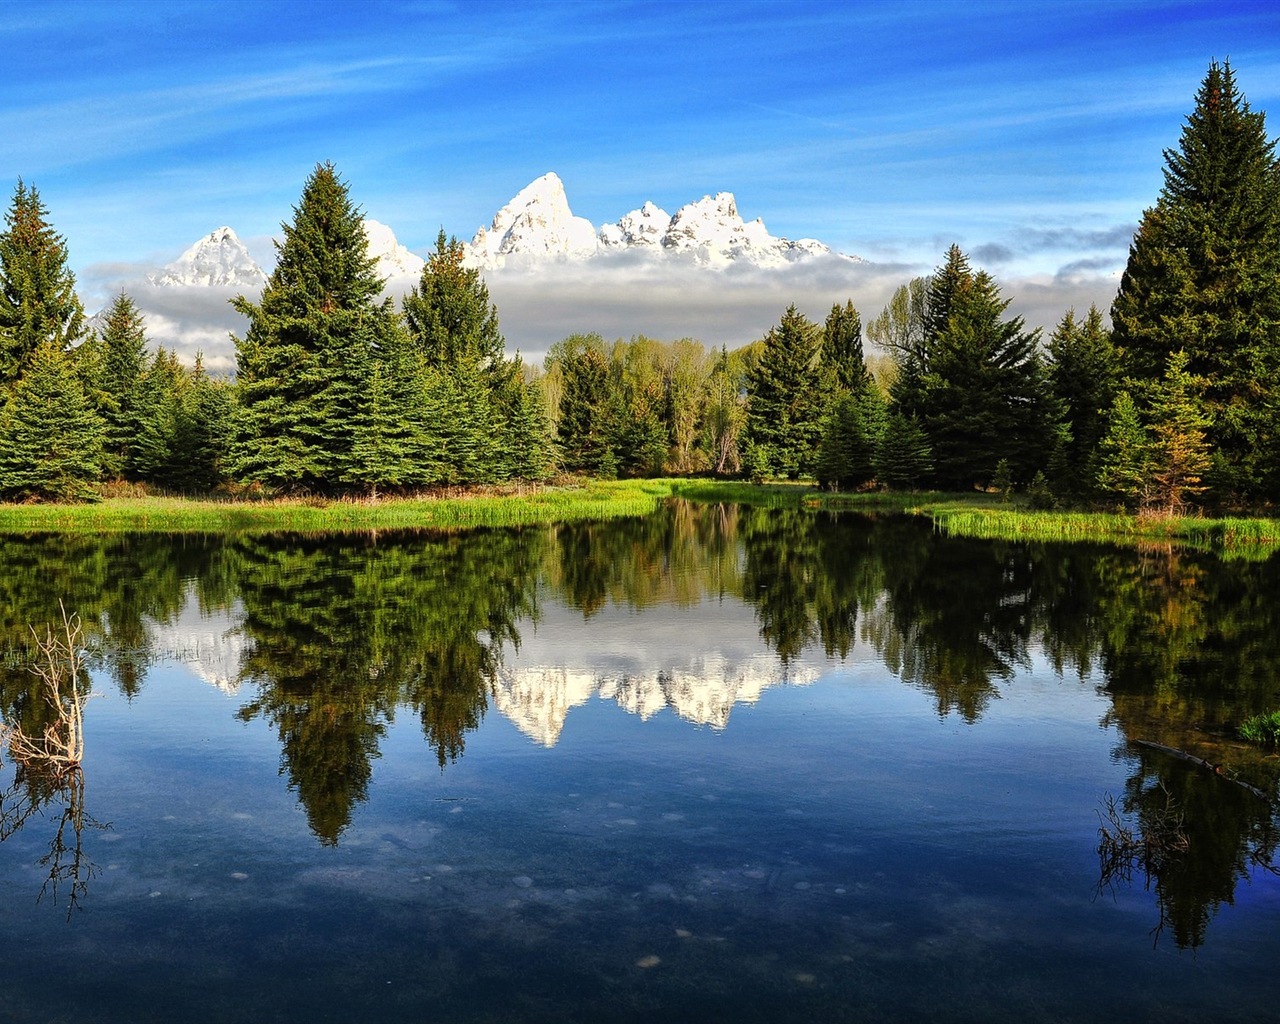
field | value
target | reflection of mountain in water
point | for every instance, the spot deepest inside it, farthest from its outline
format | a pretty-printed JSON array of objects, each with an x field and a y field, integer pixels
[
  {"x": 538, "y": 698},
  {"x": 208, "y": 642}
]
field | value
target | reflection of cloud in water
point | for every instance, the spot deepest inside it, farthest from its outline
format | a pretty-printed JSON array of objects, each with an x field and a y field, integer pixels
[{"x": 698, "y": 661}]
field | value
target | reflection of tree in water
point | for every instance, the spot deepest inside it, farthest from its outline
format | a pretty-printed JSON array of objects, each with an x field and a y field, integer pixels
[
  {"x": 345, "y": 629},
  {"x": 955, "y": 615},
  {"x": 1188, "y": 646},
  {"x": 114, "y": 582},
  {"x": 675, "y": 556},
  {"x": 42, "y": 795},
  {"x": 1196, "y": 837}
]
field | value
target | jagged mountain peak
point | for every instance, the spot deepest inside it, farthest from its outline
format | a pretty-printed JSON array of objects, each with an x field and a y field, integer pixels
[
  {"x": 219, "y": 259},
  {"x": 537, "y": 226}
]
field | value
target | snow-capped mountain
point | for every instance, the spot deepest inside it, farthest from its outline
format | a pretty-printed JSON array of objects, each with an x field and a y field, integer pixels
[
  {"x": 394, "y": 261},
  {"x": 537, "y": 227},
  {"x": 217, "y": 260},
  {"x": 220, "y": 260}
]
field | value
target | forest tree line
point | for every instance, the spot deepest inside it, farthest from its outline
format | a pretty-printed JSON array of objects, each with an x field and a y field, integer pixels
[{"x": 1174, "y": 403}]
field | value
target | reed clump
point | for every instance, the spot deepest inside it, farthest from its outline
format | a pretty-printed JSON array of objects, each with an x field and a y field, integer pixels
[{"x": 1262, "y": 729}]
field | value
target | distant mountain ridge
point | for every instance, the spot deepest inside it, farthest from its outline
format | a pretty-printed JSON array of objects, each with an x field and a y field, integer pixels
[{"x": 535, "y": 228}]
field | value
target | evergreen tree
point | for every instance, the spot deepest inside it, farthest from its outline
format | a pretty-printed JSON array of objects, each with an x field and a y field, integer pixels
[
  {"x": 382, "y": 445},
  {"x": 50, "y": 434},
  {"x": 122, "y": 361},
  {"x": 784, "y": 414},
  {"x": 524, "y": 442},
  {"x": 852, "y": 432},
  {"x": 585, "y": 427},
  {"x": 38, "y": 301},
  {"x": 984, "y": 394},
  {"x": 842, "y": 355},
  {"x": 201, "y": 434},
  {"x": 159, "y": 410},
  {"x": 491, "y": 431},
  {"x": 904, "y": 458},
  {"x": 1180, "y": 454},
  {"x": 1083, "y": 377},
  {"x": 1204, "y": 277},
  {"x": 448, "y": 313},
  {"x": 1124, "y": 454},
  {"x": 304, "y": 364}
]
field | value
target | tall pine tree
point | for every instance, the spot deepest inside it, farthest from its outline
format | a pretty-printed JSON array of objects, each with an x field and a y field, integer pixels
[
  {"x": 304, "y": 365},
  {"x": 983, "y": 398},
  {"x": 122, "y": 362},
  {"x": 1204, "y": 277},
  {"x": 38, "y": 301},
  {"x": 784, "y": 410},
  {"x": 493, "y": 430},
  {"x": 1084, "y": 378}
]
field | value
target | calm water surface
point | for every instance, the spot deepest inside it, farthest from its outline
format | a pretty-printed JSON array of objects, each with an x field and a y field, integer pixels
[{"x": 715, "y": 764}]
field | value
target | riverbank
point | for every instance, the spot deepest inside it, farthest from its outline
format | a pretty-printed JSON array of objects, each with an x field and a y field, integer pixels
[
  {"x": 990, "y": 517},
  {"x": 510, "y": 506},
  {"x": 968, "y": 515}
]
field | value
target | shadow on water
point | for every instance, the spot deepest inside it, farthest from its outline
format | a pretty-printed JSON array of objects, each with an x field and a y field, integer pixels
[{"x": 343, "y": 633}]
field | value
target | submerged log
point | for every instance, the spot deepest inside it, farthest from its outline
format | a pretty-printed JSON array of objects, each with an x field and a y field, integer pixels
[{"x": 1217, "y": 769}]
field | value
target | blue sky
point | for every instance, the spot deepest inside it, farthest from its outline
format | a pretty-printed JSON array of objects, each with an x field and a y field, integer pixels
[{"x": 1030, "y": 133}]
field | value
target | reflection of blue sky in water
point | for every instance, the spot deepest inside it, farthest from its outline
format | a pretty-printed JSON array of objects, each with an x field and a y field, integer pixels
[
  {"x": 812, "y": 861},
  {"x": 737, "y": 848}
]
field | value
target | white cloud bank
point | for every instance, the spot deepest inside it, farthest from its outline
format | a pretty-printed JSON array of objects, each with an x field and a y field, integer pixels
[{"x": 619, "y": 298}]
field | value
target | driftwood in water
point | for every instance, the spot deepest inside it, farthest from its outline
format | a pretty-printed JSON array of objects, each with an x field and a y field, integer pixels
[{"x": 1202, "y": 763}]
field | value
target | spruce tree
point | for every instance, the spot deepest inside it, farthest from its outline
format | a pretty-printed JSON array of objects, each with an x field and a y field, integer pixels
[
  {"x": 904, "y": 458},
  {"x": 50, "y": 434},
  {"x": 1179, "y": 449},
  {"x": 1125, "y": 454},
  {"x": 155, "y": 449},
  {"x": 984, "y": 394},
  {"x": 1084, "y": 377},
  {"x": 1204, "y": 277},
  {"x": 38, "y": 301},
  {"x": 784, "y": 412},
  {"x": 122, "y": 361},
  {"x": 585, "y": 428},
  {"x": 304, "y": 363},
  {"x": 453, "y": 329},
  {"x": 200, "y": 438},
  {"x": 842, "y": 355},
  {"x": 448, "y": 313}
]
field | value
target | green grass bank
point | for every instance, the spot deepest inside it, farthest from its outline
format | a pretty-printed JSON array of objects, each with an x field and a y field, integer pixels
[{"x": 969, "y": 515}]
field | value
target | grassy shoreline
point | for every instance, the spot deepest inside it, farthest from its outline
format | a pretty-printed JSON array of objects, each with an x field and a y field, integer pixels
[{"x": 969, "y": 515}]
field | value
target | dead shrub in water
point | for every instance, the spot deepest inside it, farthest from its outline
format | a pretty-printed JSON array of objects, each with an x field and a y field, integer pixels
[{"x": 60, "y": 666}]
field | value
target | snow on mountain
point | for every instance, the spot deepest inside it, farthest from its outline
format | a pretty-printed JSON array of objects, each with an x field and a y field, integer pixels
[
  {"x": 537, "y": 227},
  {"x": 640, "y": 229},
  {"x": 217, "y": 260},
  {"x": 394, "y": 261},
  {"x": 537, "y": 699}
]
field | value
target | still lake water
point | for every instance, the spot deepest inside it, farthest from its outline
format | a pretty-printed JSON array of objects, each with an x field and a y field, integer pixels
[{"x": 715, "y": 764}]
